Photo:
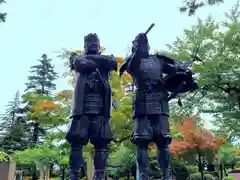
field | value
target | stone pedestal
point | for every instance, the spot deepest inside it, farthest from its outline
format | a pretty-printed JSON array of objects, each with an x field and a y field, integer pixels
[{"x": 7, "y": 170}]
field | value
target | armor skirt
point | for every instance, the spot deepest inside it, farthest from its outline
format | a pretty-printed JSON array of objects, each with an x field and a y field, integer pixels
[
  {"x": 151, "y": 128},
  {"x": 94, "y": 128}
]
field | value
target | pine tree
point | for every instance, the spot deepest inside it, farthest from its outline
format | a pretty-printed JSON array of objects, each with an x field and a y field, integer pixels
[
  {"x": 2, "y": 15},
  {"x": 43, "y": 75},
  {"x": 13, "y": 126},
  {"x": 40, "y": 85},
  {"x": 40, "y": 82},
  {"x": 10, "y": 114}
]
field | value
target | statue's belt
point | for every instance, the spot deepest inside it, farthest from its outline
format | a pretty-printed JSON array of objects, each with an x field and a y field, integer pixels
[
  {"x": 150, "y": 97},
  {"x": 154, "y": 85},
  {"x": 94, "y": 98}
]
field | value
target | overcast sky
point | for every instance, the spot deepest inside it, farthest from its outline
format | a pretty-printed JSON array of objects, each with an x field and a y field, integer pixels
[{"x": 34, "y": 27}]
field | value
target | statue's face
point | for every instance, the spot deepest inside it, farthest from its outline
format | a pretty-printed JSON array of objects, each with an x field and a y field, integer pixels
[
  {"x": 92, "y": 44},
  {"x": 141, "y": 42}
]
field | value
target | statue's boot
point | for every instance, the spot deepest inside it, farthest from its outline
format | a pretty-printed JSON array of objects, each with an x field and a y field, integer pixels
[
  {"x": 142, "y": 162},
  {"x": 163, "y": 157},
  {"x": 98, "y": 175},
  {"x": 100, "y": 160},
  {"x": 76, "y": 162},
  {"x": 167, "y": 175},
  {"x": 143, "y": 176},
  {"x": 75, "y": 174}
]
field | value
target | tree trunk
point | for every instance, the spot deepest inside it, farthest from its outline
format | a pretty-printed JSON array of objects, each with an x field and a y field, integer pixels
[
  {"x": 221, "y": 171},
  {"x": 200, "y": 168},
  {"x": 128, "y": 176},
  {"x": 34, "y": 172},
  {"x": 47, "y": 172},
  {"x": 35, "y": 133},
  {"x": 63, "y": 172},
  {"x": 42, "y": 174},
  {"x": 225, "y": 171},
  {"x": 51, "y": 170}
]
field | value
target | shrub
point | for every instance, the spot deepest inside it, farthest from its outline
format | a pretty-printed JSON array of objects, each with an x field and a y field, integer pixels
[
  {"x": 238, "y": 164},
  {"x": 197, "y": 176},
  {"x": 229, "y": 178},
  {"x": 4, "y": 156},
  {"x": 192, "y": 169},
  {"x": 213, "y": 173}
]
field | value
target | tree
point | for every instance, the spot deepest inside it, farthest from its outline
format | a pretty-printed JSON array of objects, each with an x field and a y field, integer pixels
[
  {"x": 213, "y": 50},
  {"x": 38, "y": 91},
  {"x": 192, "y": 5},
  {"x": 43, "y": 75},
  {"x": 197, "y": 142},
  {"x": 52, "y": 112},
  {"x": 9, "y": 116},
  {"x": 39, "y": 88},
  {"x": 2, "y": 15},
  {"x": 122, "y": 161},
  {"x": 16, "y": 138},
  {"x": 13, "y": 127}
]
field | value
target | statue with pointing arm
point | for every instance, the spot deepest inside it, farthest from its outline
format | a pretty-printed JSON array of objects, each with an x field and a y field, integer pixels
[{"x": 158, "y": 79}]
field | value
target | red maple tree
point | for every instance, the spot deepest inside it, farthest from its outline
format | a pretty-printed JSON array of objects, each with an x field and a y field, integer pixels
[{"x": 196, "y": 143}]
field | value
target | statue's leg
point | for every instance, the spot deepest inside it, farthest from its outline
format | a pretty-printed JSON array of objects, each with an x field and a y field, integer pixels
[
  {"x": 163, "y": 139},
  {"x": 101, "y": 136},
  {"x": 77, "y": 136},
  {"x": 141, "y": 137}
]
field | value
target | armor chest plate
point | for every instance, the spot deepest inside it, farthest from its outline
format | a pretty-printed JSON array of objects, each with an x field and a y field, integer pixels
[
  {"x": 150, "y": 69},
  {"x": 93, "y": 83},
  {"x": 93, "y": 94}
]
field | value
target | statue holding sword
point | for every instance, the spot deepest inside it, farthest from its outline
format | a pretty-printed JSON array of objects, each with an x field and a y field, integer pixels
[{"x": 150, "y": 104}]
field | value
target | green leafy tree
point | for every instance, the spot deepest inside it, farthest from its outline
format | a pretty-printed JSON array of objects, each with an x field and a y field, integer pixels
[
  {"x": 52, "y": 112},
  {"x": 213, "y": 50},
  {"x": 2, "y": 15}
]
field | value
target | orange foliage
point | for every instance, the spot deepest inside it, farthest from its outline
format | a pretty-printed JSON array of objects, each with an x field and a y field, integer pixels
[
  {"x": 195, "y": 138},
  {"x": 64, "y": 94},
  {"x": 126, "y": 77},
  {"x": 120, "y": 60},
  {"x": 46, "y": 105}
]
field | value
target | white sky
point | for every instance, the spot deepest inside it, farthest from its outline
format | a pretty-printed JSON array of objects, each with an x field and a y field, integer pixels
[{"x": 43, "y": 26}]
